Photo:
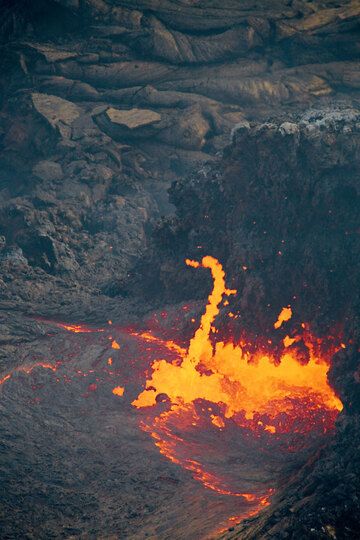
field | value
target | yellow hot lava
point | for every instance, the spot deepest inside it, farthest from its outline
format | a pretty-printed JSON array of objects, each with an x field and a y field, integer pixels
[
  {"x": 241, "y": 382},
  {"x": 118, "y": 391},
  {"x": 284, "y": 315}
]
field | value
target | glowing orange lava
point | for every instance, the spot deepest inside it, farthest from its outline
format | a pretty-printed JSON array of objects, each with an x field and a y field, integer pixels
[
  {"x": 27, "y": 370},
  {"x": 78, "y": 328},
  {"x": 241, "y": 382},
  {"x": 259, "y": 391},
  {"x": 170, "y": 345},
  {"x": 284, "y": 315},
  {"x": 167, "y": 446},
  {"x": 118, "y": 391}
]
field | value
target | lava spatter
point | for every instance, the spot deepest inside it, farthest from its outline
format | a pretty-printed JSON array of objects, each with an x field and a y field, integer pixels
[{"x": 271, "y": 398}]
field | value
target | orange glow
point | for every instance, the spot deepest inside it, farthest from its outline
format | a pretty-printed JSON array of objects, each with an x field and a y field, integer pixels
[
  {"x": 284, "y": 315},
  {"x": 241, "y": 382},
  {"x": 170, "y": 345},
  {"x": 217, "y": 421},
  {"x": 288, "y": 341},
  {"x": 115, "y": 345},
  {"x": 78, "y": 328},
  {"x": 262, "y": 390},
  {"x": 118, "y": 391},
  {"x": 109, "y": 361},
  {"x": 27, "y": 370},
  {"x": 170, "y": 443},
  {"x": 5, "y": 378}
]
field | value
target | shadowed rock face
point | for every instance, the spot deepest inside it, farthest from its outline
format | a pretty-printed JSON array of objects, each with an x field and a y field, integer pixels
[
  {"x": 284, "y": 202},
  {"x": 105, "y": 104}
]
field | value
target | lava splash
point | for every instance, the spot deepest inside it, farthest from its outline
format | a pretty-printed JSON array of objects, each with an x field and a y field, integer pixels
[{"x": 263, "y": 400}]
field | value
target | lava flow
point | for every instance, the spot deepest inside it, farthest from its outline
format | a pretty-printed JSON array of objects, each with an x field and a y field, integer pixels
[
  {"x": 276, "y": 402},
  {"x": 27, "y": 370},
  {"x": 238, "y": 416}
]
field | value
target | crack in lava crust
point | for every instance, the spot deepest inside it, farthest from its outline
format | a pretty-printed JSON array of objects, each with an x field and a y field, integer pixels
[{"x": 266, "y": 411}]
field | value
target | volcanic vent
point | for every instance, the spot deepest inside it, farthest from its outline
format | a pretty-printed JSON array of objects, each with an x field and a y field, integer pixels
[
  {"x": 246, "y": 411},
  {"x": 270, "y": 401},
  {"x": 280, "y": 210}
]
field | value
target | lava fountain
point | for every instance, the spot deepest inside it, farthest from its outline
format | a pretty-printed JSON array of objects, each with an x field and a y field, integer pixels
[{"x": 265, "y": 405}]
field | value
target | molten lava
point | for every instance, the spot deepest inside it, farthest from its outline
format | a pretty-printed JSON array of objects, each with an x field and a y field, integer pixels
[
  {"x": 76, "y": 328},
  {"x": 118, "y": 391},
  {"x": 284, "y": 315},
  {"x": 260, "y": 391},
  {"x": 27, "y": 370},
  {"x": 240, "y": 381}
]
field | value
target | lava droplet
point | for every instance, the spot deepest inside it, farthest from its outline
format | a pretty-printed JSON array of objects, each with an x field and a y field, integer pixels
[
  {"x": 284, "y": 316},
  {"x": 118, "y": 391}
]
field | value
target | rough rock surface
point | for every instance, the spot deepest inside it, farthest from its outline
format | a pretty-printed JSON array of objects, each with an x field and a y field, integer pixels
[
  {"x": 282, "y": 192},
  {"x": 81, "y": 191}
]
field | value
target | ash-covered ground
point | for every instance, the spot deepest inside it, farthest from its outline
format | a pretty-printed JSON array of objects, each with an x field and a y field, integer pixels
[{"x": 249, "y": 113}]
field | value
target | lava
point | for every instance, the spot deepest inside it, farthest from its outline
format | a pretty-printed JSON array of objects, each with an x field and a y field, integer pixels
[
  {"x": 284, "y": 315},
  {"x": 118, "y": 391},
  {"x": 221, "y": 402},
  {"x": 169, "y": 344},
  {"x": 172, "y": 446},
  {"x": 274, "y": 397},
  {"x": 28, "y": 369},
  {"x": 242, "y": 382},
  {"x": 78, "y": 328}
]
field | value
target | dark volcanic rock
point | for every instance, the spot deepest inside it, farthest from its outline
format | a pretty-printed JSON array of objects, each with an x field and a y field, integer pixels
[{"x": 284, "y": 203}]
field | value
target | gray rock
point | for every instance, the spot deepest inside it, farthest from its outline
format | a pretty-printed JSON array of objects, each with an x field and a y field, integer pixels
[
  {"x": 133, "y": 118},
  {"x": 13, "y": 254},
  {"x": 288, "y": 128},
  {"x": 238, "y": 127},
  {"x": 48, "y": 170},
  {"x": 188, "y": 129},
  {"x": 52, "y": 54},
  {"x": 58, "y": 112}
]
